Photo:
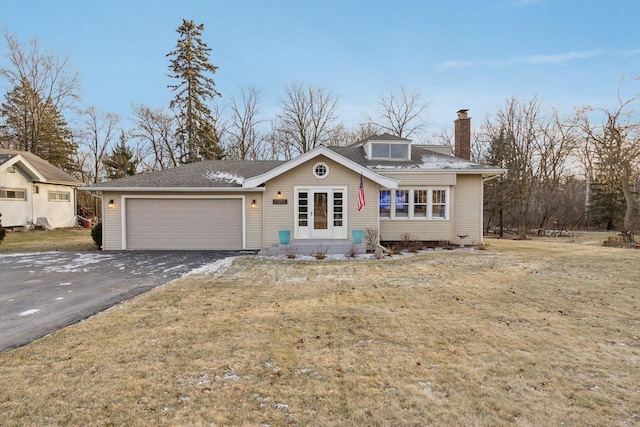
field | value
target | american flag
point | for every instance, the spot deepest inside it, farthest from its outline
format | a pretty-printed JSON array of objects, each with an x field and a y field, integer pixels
[{"x": 361, "y": 201}]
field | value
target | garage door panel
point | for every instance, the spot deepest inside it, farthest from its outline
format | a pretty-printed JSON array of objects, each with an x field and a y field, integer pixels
[{"x": 195, "y": 224}]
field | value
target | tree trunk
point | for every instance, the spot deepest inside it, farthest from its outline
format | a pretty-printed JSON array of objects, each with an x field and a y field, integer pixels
[{"x": 630, "y": 211}]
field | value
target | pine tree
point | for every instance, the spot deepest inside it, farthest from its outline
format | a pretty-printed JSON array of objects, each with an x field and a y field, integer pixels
[
  {"x": 120, "y": 162},
  {"x": 37, "y": 126},
  {"x": 190, "y": 66}
]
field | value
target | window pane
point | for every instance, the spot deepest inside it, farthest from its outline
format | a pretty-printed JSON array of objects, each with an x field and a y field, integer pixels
[
  {"x": 420, "y": 200},
  {"x": 385, "y": 203},
  {"x": 438, "y": 208},
  {"x": 438, "y": 211},
  {"x": 380, "y": 150},
  {"x": 399, "y": 151},
  {"x": 402, "y": 203}
]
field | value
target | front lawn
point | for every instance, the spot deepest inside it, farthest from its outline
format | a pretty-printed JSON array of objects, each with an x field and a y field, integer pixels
[
  {"x": 524, "y": 333},
  {"x": 61, "y": 239}
]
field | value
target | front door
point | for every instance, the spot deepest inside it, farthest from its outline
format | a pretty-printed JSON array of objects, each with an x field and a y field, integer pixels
[{"x": 320, "y": 213}]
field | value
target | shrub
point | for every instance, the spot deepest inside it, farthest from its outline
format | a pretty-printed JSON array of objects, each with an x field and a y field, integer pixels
[
  {"x": 321, "y": 253},
  {"x": 96, "y": 234},
  {"x": 2, "y": 234}
]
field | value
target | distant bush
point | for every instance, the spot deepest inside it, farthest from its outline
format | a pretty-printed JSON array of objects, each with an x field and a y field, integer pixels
[
  {"x": 96, "y": 234},
  {"x": 2, "y": 234}
]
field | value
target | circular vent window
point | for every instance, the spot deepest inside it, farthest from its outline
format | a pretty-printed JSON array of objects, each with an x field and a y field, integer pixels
[{"x": 320, "y": 170}]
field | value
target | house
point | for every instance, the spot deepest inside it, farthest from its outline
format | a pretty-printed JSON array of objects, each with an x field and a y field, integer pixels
[
  {"x": 33, "y": 191},
  {"x": 424, "y": 191}
]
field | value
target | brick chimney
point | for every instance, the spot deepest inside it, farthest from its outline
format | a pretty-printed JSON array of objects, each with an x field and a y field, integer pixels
[{"x": 462, "y": 131}]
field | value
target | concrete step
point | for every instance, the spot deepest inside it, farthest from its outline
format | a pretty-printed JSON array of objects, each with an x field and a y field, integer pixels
[{"x": 311, "y": 247}]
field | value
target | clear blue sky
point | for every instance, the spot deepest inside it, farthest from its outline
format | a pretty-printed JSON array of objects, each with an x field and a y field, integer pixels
[{"x": 458, "y": 54}]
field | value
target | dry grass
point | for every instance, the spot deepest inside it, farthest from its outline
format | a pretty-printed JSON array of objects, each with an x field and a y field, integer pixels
[
  {"x": 524, "y": 333},
  {"x": 61, "y": 239}
]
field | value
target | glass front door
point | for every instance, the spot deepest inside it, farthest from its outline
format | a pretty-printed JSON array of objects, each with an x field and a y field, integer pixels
[
  {"x": 320, "y": 213},
  {"x": 320, "y": 210}
]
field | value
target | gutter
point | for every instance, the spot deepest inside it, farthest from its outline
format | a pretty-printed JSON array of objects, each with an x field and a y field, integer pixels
[{"x": 176, "y": 189}]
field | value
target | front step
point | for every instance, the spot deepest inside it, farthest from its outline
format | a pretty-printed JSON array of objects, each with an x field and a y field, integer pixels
[{"x": 312, "y": 247}]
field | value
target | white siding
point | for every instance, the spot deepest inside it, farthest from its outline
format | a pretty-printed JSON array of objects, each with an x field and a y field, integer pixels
[
  {"x": 59, "y": 213},
  {"x": 16, "y": 212}
]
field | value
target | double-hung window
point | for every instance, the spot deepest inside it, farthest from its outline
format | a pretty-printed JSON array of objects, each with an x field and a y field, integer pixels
[{"x": 415, "y": 204}]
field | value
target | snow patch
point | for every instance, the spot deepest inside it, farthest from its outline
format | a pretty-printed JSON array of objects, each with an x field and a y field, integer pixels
[
  {"x": 217, "y": 268},
  {"x": 79, "y": 263},
  {"x": 432, "y": 162},
  {"x": 29, "y": 312},
  {"x": 443, "y": 162},
  {"x": 224, "y": 177}
]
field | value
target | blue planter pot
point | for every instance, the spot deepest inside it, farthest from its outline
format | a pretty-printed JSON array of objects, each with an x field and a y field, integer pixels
[
  {"x": 285, "y": 236},
  {"x": 358, "y": 235}
]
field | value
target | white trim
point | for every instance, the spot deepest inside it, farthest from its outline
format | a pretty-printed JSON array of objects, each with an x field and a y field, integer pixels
[
  {"x": 309, "y": 155},
  {"x": 175, "y": 189},
  {"x": 329, "y": 189},
  {"x": 31, "y": 170},
  {"x": 123, "y": 212},
  {"x": 410, "y": 210},
  {"x": 468, "y": 171},
  {"x": 369, "y": 150},
  {"x": 326, "y": 169}
]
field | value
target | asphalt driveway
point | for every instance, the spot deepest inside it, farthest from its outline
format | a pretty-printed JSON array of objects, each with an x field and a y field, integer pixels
[{"x": 43, "y": 292}]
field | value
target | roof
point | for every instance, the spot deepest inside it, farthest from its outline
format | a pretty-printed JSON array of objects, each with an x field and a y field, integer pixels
[
  {"x": 206, "y": 174},
  {"x": 245, "y": 175},
  {"x": 46, "y": 172},
  {"x": 383, "y": 137},
  {"x": 331, "y": 154},
  {"x": 422, "y": 159}
]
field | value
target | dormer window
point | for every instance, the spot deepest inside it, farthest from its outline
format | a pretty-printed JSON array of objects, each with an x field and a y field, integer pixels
[{"x": 386, "y": 150}]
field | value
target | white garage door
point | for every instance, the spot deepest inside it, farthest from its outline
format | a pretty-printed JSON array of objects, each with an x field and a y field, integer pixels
[{"x": 184, "y": 224}]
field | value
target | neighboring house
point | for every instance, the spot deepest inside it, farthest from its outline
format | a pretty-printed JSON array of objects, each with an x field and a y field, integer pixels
[
  {"x": 32, "y": 189},
  {"x": 424, "y": 191}
]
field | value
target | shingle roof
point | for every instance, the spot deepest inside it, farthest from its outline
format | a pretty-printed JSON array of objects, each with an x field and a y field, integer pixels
[
  {"x": 204, "y": 174},
  {"x": 51, "y": 173},
  {"x": 383, "y": 137},
  {"x": 421, "y": 158}
]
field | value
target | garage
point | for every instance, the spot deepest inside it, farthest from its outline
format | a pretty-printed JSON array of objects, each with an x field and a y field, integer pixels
[{"x": 184, "y": 223}]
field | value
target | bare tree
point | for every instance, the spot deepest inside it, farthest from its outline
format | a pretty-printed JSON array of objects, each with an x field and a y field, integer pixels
[
  {"x": 347, "y": 136},
  {"x": 307, "y": 119},
  {"x": 155, "y": 131},
  {"x": 400, "y": 113},
  {"x": 96, "y": 136},
  {"x": 51, "y": 86},
  {"x": 514, "y": 137},
  {"x": 243, "y": 135},
  {"x": 614, "y": 142}
]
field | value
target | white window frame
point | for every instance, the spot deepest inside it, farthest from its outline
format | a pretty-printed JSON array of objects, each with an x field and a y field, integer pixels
[
  {"x": 388, "y": 156},
  {"x": 411, "y": 214},
  {"x": 4, "y": 196},
  {"x": 326, "y": 168},
  {"x": 52, "y": 196}
]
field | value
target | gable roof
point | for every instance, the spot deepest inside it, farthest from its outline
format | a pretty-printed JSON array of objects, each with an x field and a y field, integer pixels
[
  {"x": 39, "y": 169},
  {"x": 204, "y": 175},
  {"x": 316, "y": 152}
]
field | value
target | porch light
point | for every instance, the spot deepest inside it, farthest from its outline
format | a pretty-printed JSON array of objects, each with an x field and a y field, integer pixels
[
  {"x": 253, "y": 203},
  {"x": 279, "y": 194},
  {"x": 112, "y": 204}
]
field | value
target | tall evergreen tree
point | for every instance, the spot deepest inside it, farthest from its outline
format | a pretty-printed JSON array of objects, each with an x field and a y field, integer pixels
[
  {"x": 44, "y": 133},
  {"x": 121, "y": 161},
  {"x": 190, "y": 66}
]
